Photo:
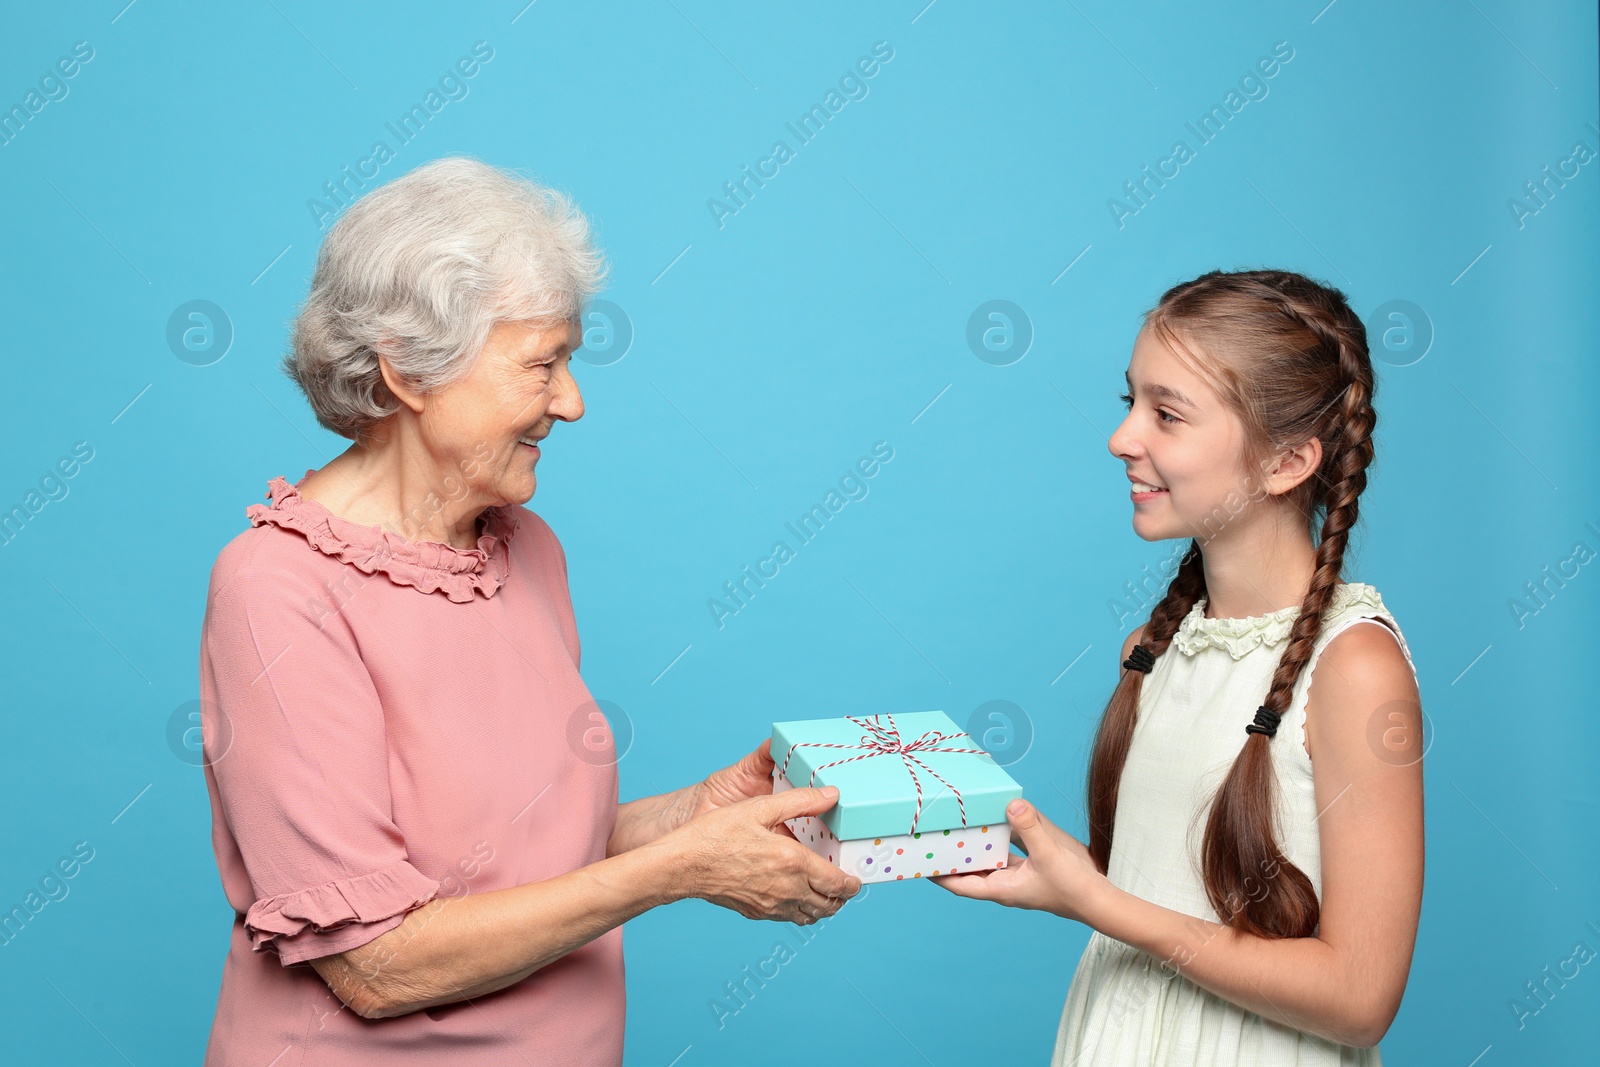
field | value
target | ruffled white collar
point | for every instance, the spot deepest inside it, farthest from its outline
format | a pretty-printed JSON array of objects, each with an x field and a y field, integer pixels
[{"x": 1239, "y": 637}]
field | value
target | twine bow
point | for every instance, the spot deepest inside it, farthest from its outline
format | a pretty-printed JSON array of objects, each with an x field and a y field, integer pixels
[{"x": 883, "y": 739}]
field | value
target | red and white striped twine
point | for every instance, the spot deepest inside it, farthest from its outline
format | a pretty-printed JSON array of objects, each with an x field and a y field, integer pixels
[{"x": 885, "y": 740}]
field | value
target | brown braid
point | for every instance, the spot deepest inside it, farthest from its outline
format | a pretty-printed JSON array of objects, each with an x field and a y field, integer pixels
[
  {"x": 1309, "y": 375},
  {"x": 1116, "y": 725}
]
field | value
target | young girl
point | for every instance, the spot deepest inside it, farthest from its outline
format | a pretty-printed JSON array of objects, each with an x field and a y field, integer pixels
[{"x": 1254, "y": 868}]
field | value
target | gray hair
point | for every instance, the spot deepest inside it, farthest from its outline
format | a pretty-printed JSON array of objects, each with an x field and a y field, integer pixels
[{"x": 421, "y": 269}]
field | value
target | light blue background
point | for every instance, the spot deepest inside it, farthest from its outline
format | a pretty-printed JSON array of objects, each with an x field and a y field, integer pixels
[{"x": 823, "y": 317}]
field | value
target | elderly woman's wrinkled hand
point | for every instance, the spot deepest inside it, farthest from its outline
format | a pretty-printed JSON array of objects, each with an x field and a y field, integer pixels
[
  {"x": 750, "y": 777},
  {"x": 738, "y": 860}
]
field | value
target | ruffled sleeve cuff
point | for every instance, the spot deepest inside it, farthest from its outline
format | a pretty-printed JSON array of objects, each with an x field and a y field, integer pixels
[{"x": 337, "y": 916}]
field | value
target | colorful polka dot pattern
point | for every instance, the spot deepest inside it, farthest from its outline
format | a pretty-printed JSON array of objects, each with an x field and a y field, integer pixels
[{"x": 884, "y": 859}]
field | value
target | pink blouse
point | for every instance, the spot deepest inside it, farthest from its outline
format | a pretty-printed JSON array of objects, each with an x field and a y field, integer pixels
[{"x": 386, "y": 722}]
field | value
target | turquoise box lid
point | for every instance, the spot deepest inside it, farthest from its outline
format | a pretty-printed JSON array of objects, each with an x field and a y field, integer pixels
[{"x": 877, "y": 794}]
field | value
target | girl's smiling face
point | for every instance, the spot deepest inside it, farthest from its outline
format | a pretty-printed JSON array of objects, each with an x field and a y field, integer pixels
[{"x": 1182, "y": 444}]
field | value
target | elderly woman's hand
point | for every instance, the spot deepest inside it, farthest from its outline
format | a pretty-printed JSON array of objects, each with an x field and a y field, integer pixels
[
  {"x": 750, "y": 777},
  {"x": 735, "y": 859}
]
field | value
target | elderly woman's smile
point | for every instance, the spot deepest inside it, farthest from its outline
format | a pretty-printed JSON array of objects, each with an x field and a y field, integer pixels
[
  {"x": 476, "y": 438},
  {"x": 554, "y": 392},
  {"x": 520, "y": 386}
]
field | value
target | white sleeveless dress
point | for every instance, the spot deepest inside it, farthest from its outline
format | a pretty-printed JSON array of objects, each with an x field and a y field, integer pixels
[{"x": 1124, "y": 1008}]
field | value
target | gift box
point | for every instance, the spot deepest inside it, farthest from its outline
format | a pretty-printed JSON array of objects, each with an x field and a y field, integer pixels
[{"x": 917, "y": 796}]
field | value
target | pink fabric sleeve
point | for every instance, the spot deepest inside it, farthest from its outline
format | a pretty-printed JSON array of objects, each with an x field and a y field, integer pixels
[{"x": 304, "y": 783}]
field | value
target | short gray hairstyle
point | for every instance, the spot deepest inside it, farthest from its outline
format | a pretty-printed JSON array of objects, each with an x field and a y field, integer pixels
[{"x": 421, "y": 269}]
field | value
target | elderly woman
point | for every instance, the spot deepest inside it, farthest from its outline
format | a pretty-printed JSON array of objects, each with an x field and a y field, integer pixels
[{"x": 412, "y": 791}]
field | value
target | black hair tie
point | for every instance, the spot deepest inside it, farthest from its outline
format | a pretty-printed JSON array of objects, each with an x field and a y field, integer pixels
[
  {"x": 1266, "y": 722},
  {"x": 1140, "y": 659}
]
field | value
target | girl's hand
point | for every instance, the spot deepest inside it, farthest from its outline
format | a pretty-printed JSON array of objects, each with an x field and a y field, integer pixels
[
  {"x": 1057, "y": 876},
  {"x": 750, "y": 777}
]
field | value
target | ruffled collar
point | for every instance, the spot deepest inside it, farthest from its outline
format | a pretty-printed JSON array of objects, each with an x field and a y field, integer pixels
[
  {"x": 427, "y": 566},
  {"x": 1240, "y": 636}
]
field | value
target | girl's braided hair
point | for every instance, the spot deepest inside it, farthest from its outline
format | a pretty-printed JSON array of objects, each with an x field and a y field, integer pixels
[{"x": 1290, "y": 357}]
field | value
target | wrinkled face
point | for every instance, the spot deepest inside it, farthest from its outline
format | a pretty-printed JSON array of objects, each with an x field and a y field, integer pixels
[
  {"x": 484, "y": 429},
  {"x": 1183, "y": 448}
]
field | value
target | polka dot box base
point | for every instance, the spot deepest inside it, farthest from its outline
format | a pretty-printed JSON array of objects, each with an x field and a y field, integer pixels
[{"x": 904, "y": 856}]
